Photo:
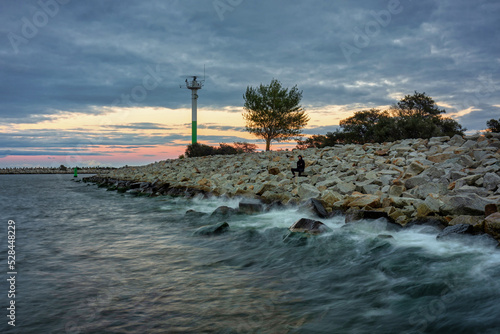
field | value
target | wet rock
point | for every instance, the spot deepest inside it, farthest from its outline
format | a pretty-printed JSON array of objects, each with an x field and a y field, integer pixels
[
  {"x": 490, "y": 209},
  {"x": 224, "y": 211},
  {"x": 214, "y": 229},
  {"x": 317, "y": 208},
  {"x": 251, "y": 206},
  {"x": 492, "y": 225},
  {"x": 354, "y": 214},
  {"x": 192, "y": 214},
  {"x": 437, "y": 222},
  {"x": 477, "y": 222},
  {"x": 309, "y": 226},
  {"x": 456, "y": 230}
]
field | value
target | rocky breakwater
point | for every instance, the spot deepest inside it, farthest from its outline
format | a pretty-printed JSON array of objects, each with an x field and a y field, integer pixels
[{"x": 443, "y": 181}]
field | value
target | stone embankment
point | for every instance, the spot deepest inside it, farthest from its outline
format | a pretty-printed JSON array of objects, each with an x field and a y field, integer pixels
[{"x": 444, "y": 181}]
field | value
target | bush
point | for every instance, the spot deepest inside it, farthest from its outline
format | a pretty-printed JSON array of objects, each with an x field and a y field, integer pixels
[
  {"x": 493, "y": 125},
  {"x": 199, "y": 150},
  {"x": 414, "y": 116},
  {"x": 202, "y": 150}
]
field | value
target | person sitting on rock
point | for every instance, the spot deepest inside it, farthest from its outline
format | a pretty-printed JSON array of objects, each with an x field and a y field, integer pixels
[{"x": 301, "y": 165}]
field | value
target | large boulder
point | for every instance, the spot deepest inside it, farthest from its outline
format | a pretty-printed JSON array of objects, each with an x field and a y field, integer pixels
[
  {"x": 477, "y": 222},
  {"x": 464, "y": 204},
  {"x": 456, "y": 230},
  {"x": 317, "y": 208},
  {"x": 251, "y": 206},
  {"x": 372, "y": 201},
  {"x": 354, "y": 214},
  {"x": 491, "y": 181},
  {"x": 224, "y": 211},
  {"x": 306, "y": 190},
  {"x": 492, "y": 225},
  {"x": 309, "y": 226},
  {"x": 214, "y": 229}
]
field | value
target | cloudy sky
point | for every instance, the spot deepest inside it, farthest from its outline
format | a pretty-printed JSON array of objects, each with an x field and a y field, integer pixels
[{"x": 97, "y": 81}]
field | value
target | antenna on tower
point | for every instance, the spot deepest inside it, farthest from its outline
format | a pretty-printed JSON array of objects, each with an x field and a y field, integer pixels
[{"x": 194, "y": 85}]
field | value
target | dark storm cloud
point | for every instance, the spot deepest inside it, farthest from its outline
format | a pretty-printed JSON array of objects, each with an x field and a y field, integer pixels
[{"x": 91, "y": 54}]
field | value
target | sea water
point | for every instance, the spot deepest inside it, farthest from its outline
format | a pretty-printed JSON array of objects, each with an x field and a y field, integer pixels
[{"x": 89, "y": 260}]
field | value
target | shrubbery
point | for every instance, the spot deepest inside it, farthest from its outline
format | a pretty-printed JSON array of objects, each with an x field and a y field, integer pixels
[
  {"x": 493, "y": 125},
  {"x": 415, "y": 116},
  {"x": 201, "y": 150}
]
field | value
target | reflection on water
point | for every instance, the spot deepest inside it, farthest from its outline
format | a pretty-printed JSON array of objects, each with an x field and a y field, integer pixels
[{"x": 92, "y": 261}]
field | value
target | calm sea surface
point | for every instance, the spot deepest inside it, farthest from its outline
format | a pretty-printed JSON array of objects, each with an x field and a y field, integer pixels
[{"x": 94, "y": 261}]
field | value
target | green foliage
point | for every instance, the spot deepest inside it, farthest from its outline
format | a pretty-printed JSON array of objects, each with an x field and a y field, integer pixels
[
  {"x": 320, "y": 141},
  {"x": 201, "y": 150},
  {"x": 493, "y": 125},
  {"x": 245, "y": 147},
  {"x": 415, "y": 116},
  {"x": 417, "y": 104},
  {"x": 274, "y": 113}
]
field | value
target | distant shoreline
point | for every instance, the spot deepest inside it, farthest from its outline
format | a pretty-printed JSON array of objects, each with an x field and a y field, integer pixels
[{"x": 45, "y": 170}]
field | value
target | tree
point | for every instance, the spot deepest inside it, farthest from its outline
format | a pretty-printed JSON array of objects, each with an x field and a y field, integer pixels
[
  {"x": 274, "y": 113},
  {"x": 493, "y": 125},
  {"x": 415, "y": 116},
  {"x": 360, "y": 127},
  {"x": 245, "y": 147},
  {"x": 417, "y": 104}
]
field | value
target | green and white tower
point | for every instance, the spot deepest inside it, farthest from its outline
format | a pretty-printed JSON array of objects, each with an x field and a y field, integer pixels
[{"x": 194, "y": 85}]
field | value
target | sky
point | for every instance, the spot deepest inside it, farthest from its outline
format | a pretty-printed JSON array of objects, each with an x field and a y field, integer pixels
[{"x": 98, "y": 82}]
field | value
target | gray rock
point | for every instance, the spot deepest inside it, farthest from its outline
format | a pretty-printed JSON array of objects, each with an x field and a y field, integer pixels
[
  {"x": 454, "y": 231},
  {"x": 251, "y": 206},
  {"x": 434, "y": 172},
  {"x": 306, "y": 190},
  {"x": 214, "y": 229},
  {"x": 464, "y": 204},
  {"x": 492, "y": 225},
  {"x": 467, "y": 181},
  {"x": 317, "y": 208},
  {"x": 466, "y": 161},
  {"x": 472, "y": 190},
  {"x": 457, "y": 175},
  {"x": 491, "y": 181},
  {"x": 457, "y": 140},
  {"x": 423, "y": 191},
  {"x": 477, "y": 222},
  {"x": 416, "y": 181},
  {"x": 396, "y": 190},
  {"x": 309, "y": 226},
  {"x": 345, "y": 187},
  {"x": 224, "y": 211},
  {"x": 438, "y": 140},
  {"x": 353, "y": 215}
]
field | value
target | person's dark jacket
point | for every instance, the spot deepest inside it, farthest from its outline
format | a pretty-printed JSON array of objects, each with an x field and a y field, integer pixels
[{"x": 301, "y": 165}]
